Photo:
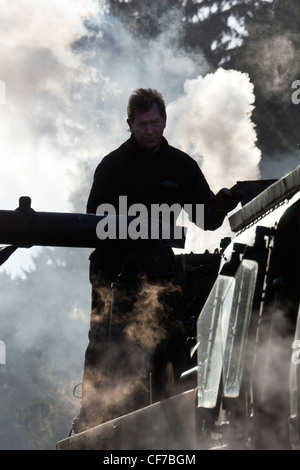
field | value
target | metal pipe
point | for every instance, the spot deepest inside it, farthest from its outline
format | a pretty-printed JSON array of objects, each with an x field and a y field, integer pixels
[{"x": 25, "y": 227}]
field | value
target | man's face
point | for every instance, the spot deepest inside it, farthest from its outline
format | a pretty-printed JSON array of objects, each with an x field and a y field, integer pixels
[{"x": 148, "y": 127}]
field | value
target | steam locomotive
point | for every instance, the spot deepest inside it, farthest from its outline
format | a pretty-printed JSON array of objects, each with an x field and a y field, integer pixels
[{"x": 240, "y": 389}]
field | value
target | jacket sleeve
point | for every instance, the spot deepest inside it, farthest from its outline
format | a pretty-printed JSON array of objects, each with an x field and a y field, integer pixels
[
  {"x": 215, "y": 206},
  {"x": 197, "y": 194},
  {"x": 108, "y": 184}
]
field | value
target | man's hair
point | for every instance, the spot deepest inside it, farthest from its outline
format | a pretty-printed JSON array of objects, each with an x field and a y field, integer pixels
[{"x": 142, "y": 100}]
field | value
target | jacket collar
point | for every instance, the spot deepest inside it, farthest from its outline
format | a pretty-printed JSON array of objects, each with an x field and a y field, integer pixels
[{"x": 133, "y": 146}]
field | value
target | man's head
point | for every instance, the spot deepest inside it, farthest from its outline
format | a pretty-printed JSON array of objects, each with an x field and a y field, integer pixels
[{"x": 147, "y": 117}]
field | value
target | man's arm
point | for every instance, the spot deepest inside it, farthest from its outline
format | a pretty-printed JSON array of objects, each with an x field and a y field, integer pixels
[{"x": 216, "y": 206}]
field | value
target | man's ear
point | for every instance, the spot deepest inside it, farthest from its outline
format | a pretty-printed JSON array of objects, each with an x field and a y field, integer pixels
[{"x": 129, "y": 123}]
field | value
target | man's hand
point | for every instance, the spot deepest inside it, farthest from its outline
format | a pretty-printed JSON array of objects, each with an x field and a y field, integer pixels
[
  {"x": 227, "y": 199},
  {"x": 222, "y": 203}
]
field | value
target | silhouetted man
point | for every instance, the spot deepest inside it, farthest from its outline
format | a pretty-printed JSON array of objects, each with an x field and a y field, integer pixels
[{"x": 120, "y": 357}]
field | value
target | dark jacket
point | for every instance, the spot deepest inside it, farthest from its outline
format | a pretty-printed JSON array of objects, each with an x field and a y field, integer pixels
[{"x": 168, "y": 176}]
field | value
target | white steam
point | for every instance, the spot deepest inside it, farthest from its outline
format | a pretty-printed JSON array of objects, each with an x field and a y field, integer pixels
[
  {"x": 212, "y": 122},
  {"x": 66, "y": 90},
  {"x": 65, "y": 106},
  {"x": 37, "y": 121}
]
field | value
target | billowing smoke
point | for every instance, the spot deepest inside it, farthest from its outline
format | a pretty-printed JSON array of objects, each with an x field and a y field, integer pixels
[
  {"x": 68, "y": 68},
  {"x": 66, "y": 94},
  {"x": 37, "y": 120},
  {"x": 212, "y": 122},
  {"x": 275, "y": 60}
]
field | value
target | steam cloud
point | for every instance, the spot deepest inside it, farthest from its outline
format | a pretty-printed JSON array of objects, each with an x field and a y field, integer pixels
[
  {"x": 129, "y": 365},
  {"x": 65, "y": 105},
  {"x": 66, "y": 93}
]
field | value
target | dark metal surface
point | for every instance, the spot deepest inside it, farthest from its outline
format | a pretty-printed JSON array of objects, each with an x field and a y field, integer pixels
[
  {"x": 169, "y": 425},
  {"x": 25, "y": 227}
]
